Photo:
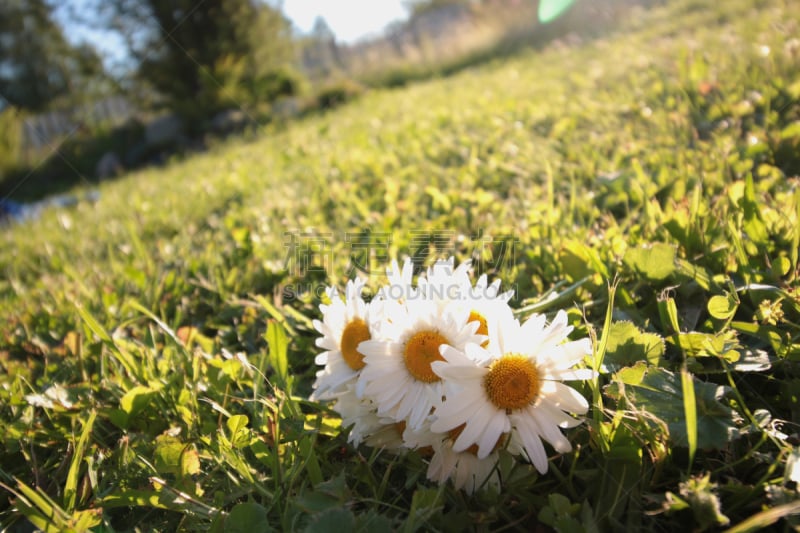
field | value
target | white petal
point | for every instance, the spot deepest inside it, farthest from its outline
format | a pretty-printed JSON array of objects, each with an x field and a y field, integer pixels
[
  {"x": 475, "y": 426},
  {"x": 455, "y": 411},
  {"x": 457, "y": 373},
  {"x": 422, "y": 406},
  {"x": 496, "y": 427},
  {"x": 527, "y": 431},
  {"x": 502, "y": 334},
  {"x": 565, "y": 397},
  {"x": 559, "y": 417},
  {"x": 379, "y": 348},
  {"x": 565, "y": 355},
  {"x": 477, "y": 353},
  {"x": 550, "y": 432},
  {"x": 579, "y": 374}
]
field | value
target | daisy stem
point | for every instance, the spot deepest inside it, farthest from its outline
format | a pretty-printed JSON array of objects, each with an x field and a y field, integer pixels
[{"x": 597, "y": 360}]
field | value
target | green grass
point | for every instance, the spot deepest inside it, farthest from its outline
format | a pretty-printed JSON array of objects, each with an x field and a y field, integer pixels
[{"x": 650, "y": 178}]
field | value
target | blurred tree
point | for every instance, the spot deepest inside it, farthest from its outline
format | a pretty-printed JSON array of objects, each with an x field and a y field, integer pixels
[
  {"x": 203, "y": 56},
  {"x": 319, "y": 53},
  {"x": 418, "y": 8},
  {"x": 322, "y": 31},
  {"x": 38, "y": 67}
]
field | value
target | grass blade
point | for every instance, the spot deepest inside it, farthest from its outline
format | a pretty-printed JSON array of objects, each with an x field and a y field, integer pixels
[
  {"x": 599, "y": 355},
  {"x": 71, "y": 487},
  {"x": 278, "y": 343},
  {"x": 766, "y": 518},
  {"x": 690, "y": 412},
  {"x": 127, "y": 363}
]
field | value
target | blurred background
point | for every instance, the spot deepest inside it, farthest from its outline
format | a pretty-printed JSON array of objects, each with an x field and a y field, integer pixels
[{"x": 90, "y": 89}]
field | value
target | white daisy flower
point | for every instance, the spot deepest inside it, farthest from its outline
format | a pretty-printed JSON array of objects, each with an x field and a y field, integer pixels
[
  {"x": 447, "y": 286},
  {"x": 443, "y": 284},
  {"x": 399, "y": 286},
  {"x": 466, "y": 470},
  {"x": 397, "y": 375},
  {"x": 345, "y": 324},
  {"x": 485, "y": 303},
  {"x": 365, "y": 425},
  {"x": 513, "y": 387}
]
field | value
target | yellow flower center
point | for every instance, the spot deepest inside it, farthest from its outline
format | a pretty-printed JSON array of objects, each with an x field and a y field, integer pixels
[
  {"x": 473, "y": 449},
  {"x": 513, "y": 382},
  {"x": 355, "y": 332},
  {"x": 483, "y": 327},
  {"x": 422, "y": 349}
]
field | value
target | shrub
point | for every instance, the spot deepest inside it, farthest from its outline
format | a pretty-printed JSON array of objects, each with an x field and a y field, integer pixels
[
  {"x": 10, "y": 141},
  {"x": 337, "y": 93},
  {"x": 281, "y": 82}
]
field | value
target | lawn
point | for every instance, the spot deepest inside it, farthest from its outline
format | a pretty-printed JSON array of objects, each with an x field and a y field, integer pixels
[{"x": 157, "y": 346}]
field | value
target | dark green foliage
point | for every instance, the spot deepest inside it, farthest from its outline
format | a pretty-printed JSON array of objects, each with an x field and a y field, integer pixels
[
  {"x": 38, "y": 67},
  {"x": 74, "y": 163},
  {"x": 337, "y": 93},
  {"x": 204, "y": 57}
]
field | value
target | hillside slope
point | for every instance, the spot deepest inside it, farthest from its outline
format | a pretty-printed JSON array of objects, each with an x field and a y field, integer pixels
[{"x": 656, "y": 168}]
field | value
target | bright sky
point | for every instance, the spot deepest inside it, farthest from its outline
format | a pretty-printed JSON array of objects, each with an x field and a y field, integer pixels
[{"x": 350, "y": 20}]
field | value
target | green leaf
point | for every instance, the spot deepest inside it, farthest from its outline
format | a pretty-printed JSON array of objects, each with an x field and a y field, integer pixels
[
  {"x": 655, "y": 262},
  {"x": 659, "y": 392},
  {"x": 167, "y": 455},
  {"x": 440, "y": 201},
  {"x": 373, "y": 522},
  {"x": 278, "y": 344},
  {"x": 699, "y": 274},
  {"x": 247, "y": 517},
  {"x": 133, "y": 498},
  {"x": 579, "y": 261},
  {"x": 696, "y": 344},
  {"x": 328, "y": 494},
  {"x": 753, "y": 225},
  {"x": 722, "y": 307},
  {"x": 334, "y": 519},
  {"x": 190, "y": 461},
  {"x": 627, "y": 345},
  {"x": 668, "y": 313},
  {"x": 240, "y": 434},
  {"x": 424, "y": 504},
  {"x": 323, "y": 424},
  {"x": 136, "y": 399},
  {"x": 560, "y": 513},
  {"x": 86, "y": 520},
  {"x": 702, "y": 498},
  {"x": 262, "y": 452},
  {"x": 307, "y": 452}
]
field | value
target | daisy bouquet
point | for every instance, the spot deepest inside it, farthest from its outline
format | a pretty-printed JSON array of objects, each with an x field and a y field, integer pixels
[{"x": 443, "y": 366}]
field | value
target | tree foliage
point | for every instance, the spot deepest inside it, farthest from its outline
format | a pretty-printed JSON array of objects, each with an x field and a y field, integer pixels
[
  {"x": 37, "y": 65},
  {"x": 201, "y": 57},
  {"x": 418, "y": 8}
]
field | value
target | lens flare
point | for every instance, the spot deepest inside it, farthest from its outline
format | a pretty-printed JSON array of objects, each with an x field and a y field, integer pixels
[{"x": 549, "y": 10}]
